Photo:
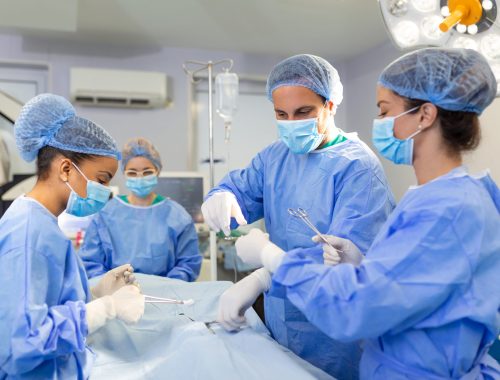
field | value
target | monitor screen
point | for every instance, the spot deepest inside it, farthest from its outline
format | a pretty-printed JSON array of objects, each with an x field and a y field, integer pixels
[{"x": 187, "y": 191}]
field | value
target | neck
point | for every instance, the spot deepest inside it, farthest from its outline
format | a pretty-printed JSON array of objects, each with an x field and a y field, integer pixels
[
  {"x": 434, "y": 162},
  {"x": 45, "y": 194},
  {"x": 331, "y": 132},
  {"x": 137, "y": 201}
]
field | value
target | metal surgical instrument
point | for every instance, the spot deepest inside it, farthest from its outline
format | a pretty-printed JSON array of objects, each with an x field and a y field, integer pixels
[{"x": 302, "y": 214}]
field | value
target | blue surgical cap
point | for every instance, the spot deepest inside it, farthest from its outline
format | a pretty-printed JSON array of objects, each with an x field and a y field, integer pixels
[
  {"x": 452, "y": 79},
  {"x": 308, "y": 71},
  {"x": 140, "y": 147},
  {"x": 50, "y": 120}
]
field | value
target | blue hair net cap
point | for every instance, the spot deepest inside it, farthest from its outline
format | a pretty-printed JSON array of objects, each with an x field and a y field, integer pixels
[
  {"x": 453, "y": 79},
  {"x": 309, "y": 71},
  {"x": 50, "y": 120},
  {"x": 140, "y": 147}
]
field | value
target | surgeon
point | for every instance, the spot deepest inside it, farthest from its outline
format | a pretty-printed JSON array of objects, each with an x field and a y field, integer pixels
[
  {"x": 315, "y": 166},
  {"x": 426, "y": 297},
  {"x": 153, "y": 233},
  {"x": 47, "y": 309}
]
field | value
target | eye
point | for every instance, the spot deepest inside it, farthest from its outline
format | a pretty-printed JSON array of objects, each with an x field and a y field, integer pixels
[
  {"x": 146, "y": 173},
  {"x": 130, "y": 173}
]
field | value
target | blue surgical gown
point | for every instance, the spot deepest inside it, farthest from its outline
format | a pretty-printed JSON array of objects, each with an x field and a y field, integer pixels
[
  {"x": 44, "y": 289},
  {"x": 345, "y": 192},
  {"x": 159, "y": 239},
  {"x": 426, "y": 297}
]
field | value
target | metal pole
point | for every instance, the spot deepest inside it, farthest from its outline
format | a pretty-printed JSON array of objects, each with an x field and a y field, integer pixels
[{"x": 213, "y": 237}]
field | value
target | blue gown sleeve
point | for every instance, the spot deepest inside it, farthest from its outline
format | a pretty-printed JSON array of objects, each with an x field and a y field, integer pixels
[
  {"x": 361, "y": 208},
  {"x": 187, "y": 256},
  {"x": 33, "y": 332},
  {"x": 404, "y": 278},
  {"x": 247, "y": 185},
  {"x": 92, "y": 251}
]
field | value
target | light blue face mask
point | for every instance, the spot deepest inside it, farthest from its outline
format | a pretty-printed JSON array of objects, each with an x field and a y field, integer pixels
[
  {"x": 300, "y": 136},
  {"x": 395, "y": 150},
  {"x": 97, "y": 197},
  {"x": 142, "y": 186}
]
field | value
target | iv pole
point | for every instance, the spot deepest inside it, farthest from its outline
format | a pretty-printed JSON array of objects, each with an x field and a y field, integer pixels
[{"x": 201, "y": 66}]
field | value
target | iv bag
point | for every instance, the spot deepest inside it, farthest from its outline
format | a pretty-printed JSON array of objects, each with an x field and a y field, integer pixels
[{"x": 226, "y": 94}]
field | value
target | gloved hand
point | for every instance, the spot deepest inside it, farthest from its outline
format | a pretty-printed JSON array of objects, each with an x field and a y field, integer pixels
[
  {"x": 238, "y": 298},
  {"x": 126, "y": 304},
  {"x": 113, "y": 280},
  {"x": 344, "y": 251},
  {"x": 218, "y": 210},
  {"x": 256, "y": 249}
]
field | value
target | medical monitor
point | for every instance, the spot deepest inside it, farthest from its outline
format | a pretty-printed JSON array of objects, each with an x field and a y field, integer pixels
[{"x": 186, "y": 188}]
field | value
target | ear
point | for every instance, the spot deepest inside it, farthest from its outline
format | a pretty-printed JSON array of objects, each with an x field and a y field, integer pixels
[
  {"x": 331, "y": 107},
  {"x": 428, "y": 115},
  {"x": 65, "y": 168}
]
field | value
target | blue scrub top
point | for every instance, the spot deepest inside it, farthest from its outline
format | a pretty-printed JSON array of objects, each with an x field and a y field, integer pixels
[
  {"x": 345, "y": 192},
  {"x": 426, "y": 296},
  {"x": 159, "y": 239},
  {"x": 43, "y": 294}
]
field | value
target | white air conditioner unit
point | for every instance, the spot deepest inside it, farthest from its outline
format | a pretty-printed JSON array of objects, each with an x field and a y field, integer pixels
[{"x": 118, "y": 88}]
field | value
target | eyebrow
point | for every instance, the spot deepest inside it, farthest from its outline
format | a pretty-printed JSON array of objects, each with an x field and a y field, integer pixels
[
  {"x": 382, "y": 101},
  {"x": 297, "y": 109}
]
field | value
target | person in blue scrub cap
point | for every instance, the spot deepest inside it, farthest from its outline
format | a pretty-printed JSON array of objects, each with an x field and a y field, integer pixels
[
  {"x": 426, "y": 297},
  {"x": 47, "y": 308},
  {"x": 153, "y": 233},
  {"x": 315, "y": 166}
]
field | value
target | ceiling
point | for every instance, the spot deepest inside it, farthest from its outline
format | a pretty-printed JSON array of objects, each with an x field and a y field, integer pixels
[{"x": 334, "y": 28}]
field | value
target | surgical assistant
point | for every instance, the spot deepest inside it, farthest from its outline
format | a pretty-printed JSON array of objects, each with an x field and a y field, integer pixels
[
  {"x": 153, "y": 233},
  {"x": 47, "y": 309},
  {"x": 315, "y": 166},
  {"x": 425, "y": 298}
]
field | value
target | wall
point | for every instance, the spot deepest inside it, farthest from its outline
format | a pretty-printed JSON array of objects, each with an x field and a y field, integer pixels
[
  {"x": 166, "y": 127},
  {"x": 359, "y": 101}
]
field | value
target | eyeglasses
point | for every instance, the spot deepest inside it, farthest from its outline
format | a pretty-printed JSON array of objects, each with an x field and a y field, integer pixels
[{"x": 134, "y": 173}]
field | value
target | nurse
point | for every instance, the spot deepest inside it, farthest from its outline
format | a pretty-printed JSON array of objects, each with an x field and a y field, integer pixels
[
  {"x": 426, "y": 296},
  {"x": 47, "y": 309},
  {"x": 153, "y": 233},
  {"x": 316, "y": 166}
]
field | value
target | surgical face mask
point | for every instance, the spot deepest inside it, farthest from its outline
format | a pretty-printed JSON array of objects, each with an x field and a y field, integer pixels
[
  {"x": 142, "y": 186},
  {"x": 97, "y": 197},
  {"x": 395, "y": 150},
  {"x": 301, "y": 136}
]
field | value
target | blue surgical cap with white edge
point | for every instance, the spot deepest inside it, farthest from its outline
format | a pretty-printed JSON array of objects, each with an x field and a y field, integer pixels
[
  {"x": 452, "y": 79},
  {"x": 50, "y": 120},
  {"x": 140, "y": 147},
  {"x": 309, "y": 71}
]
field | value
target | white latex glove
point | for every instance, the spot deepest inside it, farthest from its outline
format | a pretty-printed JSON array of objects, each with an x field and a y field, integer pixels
[
  {"x": 238, "y": 298},
  {"x": 113, "y": 280},
  {"x": 218, "y": 210},
  {"x": 344, "y": 251},
  {"x": 126, "y": 304},
  {"x": 255, "y": 249}
]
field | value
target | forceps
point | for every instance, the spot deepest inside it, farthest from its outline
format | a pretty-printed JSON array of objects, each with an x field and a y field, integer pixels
[
  {"x": 300, "y": 213},
  {"x": 151, "y": 299}
]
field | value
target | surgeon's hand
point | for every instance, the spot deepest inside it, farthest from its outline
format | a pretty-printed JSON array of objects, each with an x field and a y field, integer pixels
[
  {"x": 218, "y": 210},
  {"x": 126, "y": 304},
  {"x": 114, "y": 280},
  {"x": 255, "y": 249},
  {"x": 129, "y": 304},
  {"x": 238, "y": 298},
  {"x": 343, "y": 251}
]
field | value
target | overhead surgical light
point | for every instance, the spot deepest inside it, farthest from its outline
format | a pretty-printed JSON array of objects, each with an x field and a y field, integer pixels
[{"x": 470, "y": 24}]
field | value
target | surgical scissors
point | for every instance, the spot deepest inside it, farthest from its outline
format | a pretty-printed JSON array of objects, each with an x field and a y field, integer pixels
[
  {"x": 300, "y": 213},
  {"x": 151, "y": 299}
]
